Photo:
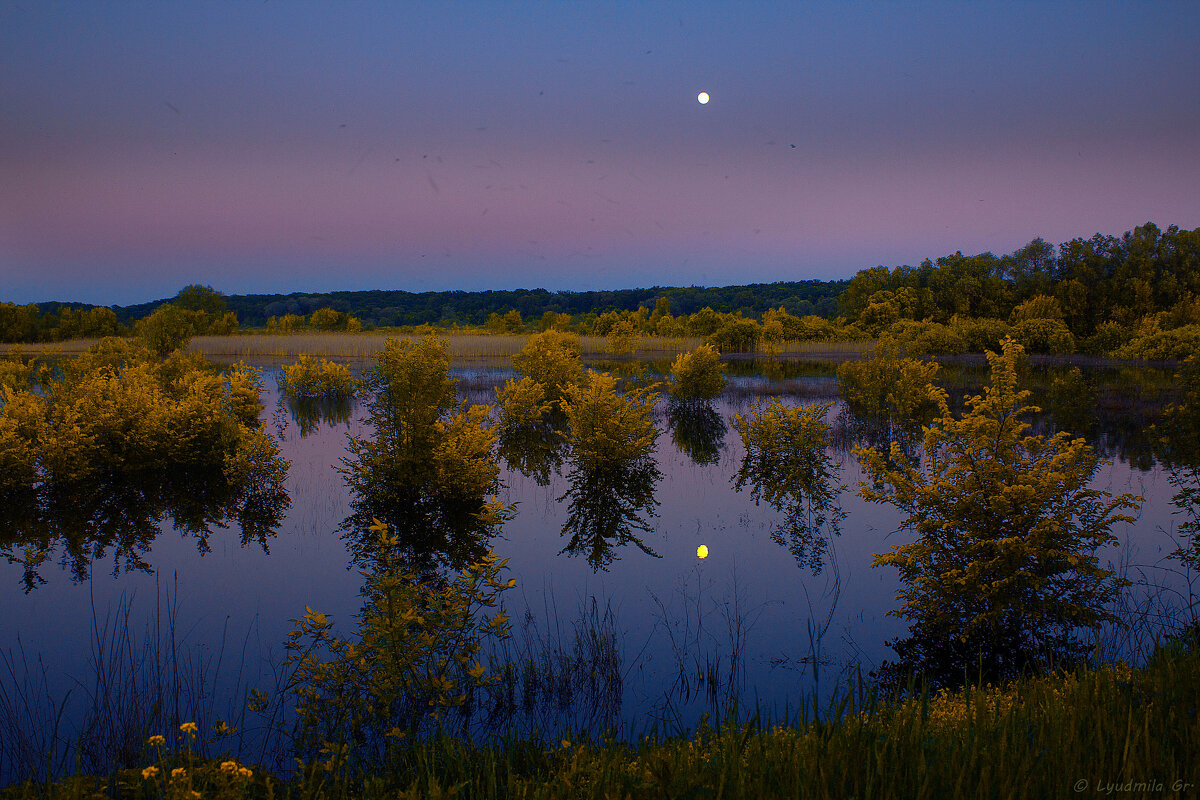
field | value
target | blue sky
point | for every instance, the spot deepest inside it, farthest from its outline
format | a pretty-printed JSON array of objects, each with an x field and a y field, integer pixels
[{"x": 277, "y": 147}]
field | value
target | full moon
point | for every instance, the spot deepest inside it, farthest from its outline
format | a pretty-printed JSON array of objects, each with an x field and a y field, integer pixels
[
  {"x": 702, "y": 98},
  {"x": 702, "y": 551}
]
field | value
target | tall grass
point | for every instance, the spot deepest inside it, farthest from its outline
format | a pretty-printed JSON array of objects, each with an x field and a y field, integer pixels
[{"x": 1113, "y": 730}]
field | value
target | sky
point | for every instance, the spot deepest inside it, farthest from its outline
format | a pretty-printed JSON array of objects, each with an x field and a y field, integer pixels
[{"x": 273, "y": 147}]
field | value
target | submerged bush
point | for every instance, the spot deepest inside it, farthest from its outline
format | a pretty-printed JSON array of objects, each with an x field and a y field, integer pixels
[
  {"x": 415, "y": 660},
  {"x": 551, "y": 358},
  {"x": 696, "y": 376},
  {"x": 312, "y": 378},
  {"x": 885, "y": 384},
  {"x": 1003, "y": 574},
  {"x": 787, "y": 464}
]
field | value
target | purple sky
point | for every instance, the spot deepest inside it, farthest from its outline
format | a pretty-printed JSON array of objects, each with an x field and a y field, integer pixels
[{"x": 289, "y": 146}]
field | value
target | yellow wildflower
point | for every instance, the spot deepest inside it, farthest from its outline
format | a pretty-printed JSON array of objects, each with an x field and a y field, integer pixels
[
  {"x": 245, "y": 773},
  {"x": 177, "y": 773},
  {"x": 229, "y": 766},
  {"x": 156, "y": 741},
  {"x": 194, "y": 794},
  {"x": 188, "y": 727},
  {"x": 149, "y": 772}
]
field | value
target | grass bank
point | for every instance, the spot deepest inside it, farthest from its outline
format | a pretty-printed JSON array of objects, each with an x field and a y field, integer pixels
[{"x": 1112, "y": 730}]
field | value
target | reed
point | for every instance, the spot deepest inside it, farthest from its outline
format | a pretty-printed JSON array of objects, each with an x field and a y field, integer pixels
[{"x": 1091, "y": 731}]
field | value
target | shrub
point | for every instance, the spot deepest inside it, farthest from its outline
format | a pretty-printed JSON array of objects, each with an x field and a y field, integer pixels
[
  {"x": 429, "y": 471},
  {"x": 885, "y": 384},
  {"x": 1044, "y": 336},
  {"x": 696, "y": 376},
  {"x": 736, "y": 335},
  {"x": 522, "y": 403},
  {"x": 1003, "y": 572},
  {"x": 925, "y": 338},
  {"x": 312, "y": 378},
  {"x": 552, "y": 359},
  {"x": 981, "y": 333},
  {"x": 623, "y": 338},
  {"x": 787, "y": 463},
  {"x": 1107, "y": 338},
  {"x": 414, "y": 660},
  {"x": 1175, "y": 344}
]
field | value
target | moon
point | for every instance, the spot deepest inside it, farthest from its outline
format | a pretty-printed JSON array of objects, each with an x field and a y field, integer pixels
[
  {"x": 702, "y": 98},
  {"x": 702, "y": 551}
]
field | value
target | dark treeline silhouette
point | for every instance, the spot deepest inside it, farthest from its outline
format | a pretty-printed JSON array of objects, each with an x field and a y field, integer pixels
[
  {"x": 44, "y": 321},
  {"x": 1094, "y": 294}
]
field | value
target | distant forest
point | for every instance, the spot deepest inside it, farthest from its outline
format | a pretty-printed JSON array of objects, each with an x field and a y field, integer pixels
[
  {"x": 387, "y": 308},
  {"x": 1093, "y": 295}
]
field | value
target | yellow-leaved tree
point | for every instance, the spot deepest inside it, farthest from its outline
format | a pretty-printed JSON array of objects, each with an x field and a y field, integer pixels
[
  {"x": 1002, "y": 574},
  {"x": 430, "y": 471},
  {"x": 613, "y": 473}
]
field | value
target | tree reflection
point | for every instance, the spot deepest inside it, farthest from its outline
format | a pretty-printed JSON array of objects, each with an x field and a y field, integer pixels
[
  {"x": 534, "y": 450},
  {"x": 698, "y": 431},
  {"x": 429, "y": 473},
  {"x": 121, "y": 518},
  {"x": 606, "y": 506},
  {"x": 613, "y": 473},
  {"x": 787, "y": 464},
  {"x": 310, "y": 413}
]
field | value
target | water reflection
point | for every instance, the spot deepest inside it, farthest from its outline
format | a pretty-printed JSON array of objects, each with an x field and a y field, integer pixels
[
  {"x": 698, "y": 431},
  {"x": 787, "y": 464},
  {"x": 606, "y": 507},
  {"x": 537, "y": 450},
  {"x": 121, "y": 518},
  {"x": 613, "y": 473},
  {"x": 429, "y": 472},
  {"x": 310, "y": 413}
]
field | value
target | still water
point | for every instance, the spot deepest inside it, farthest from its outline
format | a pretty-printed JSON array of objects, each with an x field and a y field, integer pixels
[{"x": 751, "y": 616}]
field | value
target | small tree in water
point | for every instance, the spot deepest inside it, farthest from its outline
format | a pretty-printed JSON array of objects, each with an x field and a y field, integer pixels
[{"x": 1003, "y": 573}]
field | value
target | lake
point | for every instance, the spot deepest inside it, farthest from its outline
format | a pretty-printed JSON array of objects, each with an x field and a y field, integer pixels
[{"x": 671, "y": 636}]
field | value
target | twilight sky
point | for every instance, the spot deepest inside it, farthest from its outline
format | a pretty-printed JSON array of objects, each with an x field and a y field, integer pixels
[{"x": 302, "y": 146}]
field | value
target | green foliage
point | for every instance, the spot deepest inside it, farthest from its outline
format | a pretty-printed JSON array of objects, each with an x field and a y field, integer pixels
[
  {"x": 1042, "y": 335},
  {"x": 327, "y": 319},
  {"x": 416, "y": 658},
  {"x": 1175, "y": 344},
  {"x": 623, "y": 337},
  {"x": 167, "y": 329},
  {"x": 552, "y": 359},
  {"x": 310, "y": 377},
  {"x": 787, "y": 464},
  {"x": 1003, "y": 572},
  {"x": 119, "y": 440},
  {"x": 522, "y": 403},
  {"x": 608, "y": 426},
  {"x": 1038, "y": 307},
  {"x": 886, "y": 385},
  {"x": 195, "y": 297},
  {"x": 18, "y": 323},
  {"x": 925, "y": 338},
  {"x": 736, "y": 335},
  {"x": 510, "y": 322},
  {"x": 696, "y": 376}
]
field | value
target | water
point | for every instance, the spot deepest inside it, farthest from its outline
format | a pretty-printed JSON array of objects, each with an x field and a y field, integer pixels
[{"x": 749, "y": 613}]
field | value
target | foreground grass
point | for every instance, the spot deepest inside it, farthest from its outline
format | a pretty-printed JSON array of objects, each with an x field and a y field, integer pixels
[{"x": 1092, "y": 732}]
